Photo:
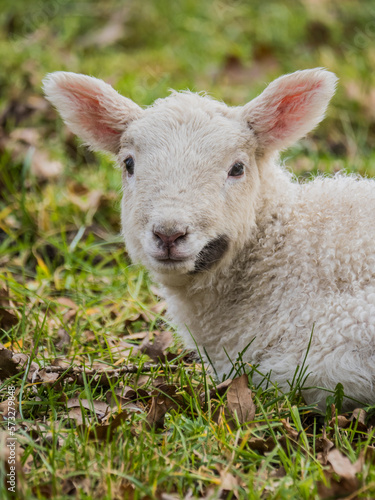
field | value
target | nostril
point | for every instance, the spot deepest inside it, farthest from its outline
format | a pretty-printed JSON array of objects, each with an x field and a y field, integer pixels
[{"x": 169, "y": 239}]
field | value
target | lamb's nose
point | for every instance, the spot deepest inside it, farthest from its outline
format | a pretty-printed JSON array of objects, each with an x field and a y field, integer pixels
[{"x": 169, "y": 239}]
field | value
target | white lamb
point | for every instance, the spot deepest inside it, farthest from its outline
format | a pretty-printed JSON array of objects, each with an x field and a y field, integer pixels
[{"x": 243, "y": 252}]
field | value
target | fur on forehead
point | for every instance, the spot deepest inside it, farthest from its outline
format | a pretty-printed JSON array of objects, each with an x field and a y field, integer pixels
[
  {"x": 189, "y": 116},
  {"x": 185, "y": 100}
]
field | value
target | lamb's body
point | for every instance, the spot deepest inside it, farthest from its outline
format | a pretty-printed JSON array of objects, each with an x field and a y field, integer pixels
[
  {"x": 245, "y": 254},
  {"x": 310, "y": 264}
]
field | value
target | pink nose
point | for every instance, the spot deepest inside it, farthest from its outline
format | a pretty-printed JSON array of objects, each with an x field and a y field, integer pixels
[{"x": 169, "y": 239}]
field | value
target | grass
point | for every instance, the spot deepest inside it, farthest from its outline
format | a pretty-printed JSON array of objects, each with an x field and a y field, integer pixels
[{"x": 72, "y": 298}]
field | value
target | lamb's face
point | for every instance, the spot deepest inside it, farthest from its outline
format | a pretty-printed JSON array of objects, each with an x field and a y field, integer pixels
[
  {"x": 190, "y": 176},
  {"x": 190, "y": 181}
]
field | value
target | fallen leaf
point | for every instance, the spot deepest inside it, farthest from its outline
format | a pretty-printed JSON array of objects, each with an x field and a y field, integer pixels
[
  {"x": 102, "y": 432},
  {"x": 347, "y": 481},
  {"x": 229, "y": 482},
  {"x": 156, "y": 350},
  {"x": 67, "y": 302},
  {"x": 278, "y": 473},
  {"x": 132, "y": 399},
  {"x": 341, "y": 421},
  {"x": 132, "y": 319},
  {"x": 159, "y": 307},
  {"x": 137, "y": 336},
  {"x": 292, "y": 433},
  {"x": 322, "y": 447},
  {"x": 164, "y": 399},
  {"x": 27, "y": 135},
  {"x": 11, "y": 363},
  {"x": 240, "y": 402},
  {"x": 343, "y": 466},
  {"x": 358, "y": 418},
  {"x": 100, "y": 407},
  {"x": 43, "y": 166},
  {"x": 63, "y": 340},
  {"x": 47, "y": 377},
  {"x": 76, "y": 414},
  {"x": 261, "y": 445},
  {"x": 8, "y": 313}
]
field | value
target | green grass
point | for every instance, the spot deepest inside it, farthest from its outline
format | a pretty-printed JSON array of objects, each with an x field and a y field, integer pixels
[{"x": 59, "y": 240}]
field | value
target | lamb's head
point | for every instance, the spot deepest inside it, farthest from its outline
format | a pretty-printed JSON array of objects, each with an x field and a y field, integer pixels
[{"x": 191, "y": 165}]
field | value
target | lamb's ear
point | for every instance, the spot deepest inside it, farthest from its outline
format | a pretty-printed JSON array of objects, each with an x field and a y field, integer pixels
[
  {"x": 290, "y": 107},
  {"x": 92, "y": 109}
]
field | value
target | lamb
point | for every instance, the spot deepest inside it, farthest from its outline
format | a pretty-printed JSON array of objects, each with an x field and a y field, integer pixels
[{"x": 244, "y": 253}]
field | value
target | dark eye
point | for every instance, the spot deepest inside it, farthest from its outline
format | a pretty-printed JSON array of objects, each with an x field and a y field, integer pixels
[
  {"x": 236, "y": 170},
  {"x": 129, "y": 164}
]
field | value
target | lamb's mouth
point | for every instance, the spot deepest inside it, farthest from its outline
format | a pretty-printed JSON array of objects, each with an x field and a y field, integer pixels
[{"x": 211, "y": 253}]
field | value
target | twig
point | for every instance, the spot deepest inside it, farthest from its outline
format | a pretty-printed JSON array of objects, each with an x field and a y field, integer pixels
[{"x": 78, "y": 370}]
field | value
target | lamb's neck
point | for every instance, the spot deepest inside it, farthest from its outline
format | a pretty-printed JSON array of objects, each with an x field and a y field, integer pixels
[{"x": 277, "y": 189}]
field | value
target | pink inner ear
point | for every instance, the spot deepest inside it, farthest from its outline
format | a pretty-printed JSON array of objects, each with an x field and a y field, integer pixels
[
  {"x": 91, "y": 113},
  {"x": 291, "y": 110}
]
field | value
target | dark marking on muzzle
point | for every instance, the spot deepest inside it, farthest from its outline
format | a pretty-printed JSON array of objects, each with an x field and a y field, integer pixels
[{"x": 211, "y": 253}]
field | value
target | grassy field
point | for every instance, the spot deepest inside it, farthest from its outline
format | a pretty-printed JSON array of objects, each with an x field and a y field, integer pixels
[{"x": 72, "y": 306}]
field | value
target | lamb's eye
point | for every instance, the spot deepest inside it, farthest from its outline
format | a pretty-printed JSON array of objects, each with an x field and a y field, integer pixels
[
  {"x": 236, "y": 170},
  {"x": 129, "y": 165}
]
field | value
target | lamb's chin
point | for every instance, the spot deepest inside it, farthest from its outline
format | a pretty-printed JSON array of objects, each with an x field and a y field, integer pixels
[{"x": 171, "y": 268}]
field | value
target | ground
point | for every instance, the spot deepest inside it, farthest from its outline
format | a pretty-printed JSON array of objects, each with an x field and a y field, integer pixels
[{"x": 72, "y": 305}]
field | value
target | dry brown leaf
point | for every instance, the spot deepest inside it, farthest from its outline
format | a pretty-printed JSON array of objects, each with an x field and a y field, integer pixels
[
  {"x": 27, "y": 135},
  {"x": 89, "y": 202},
  {"x": 8, "y": 314},
  {"x": 76, "y": 414},
  {"x": 128, "y": 398},
  {"x": 8, "y": 366},
  {"x": 278, "y": 473},
  {"x": 100, "y": 407},
  {"x": 229, "y": 482},
  {"x": 215, "y": 392},
  {"x": 341, "y": 421},
  {"x": 102, "y": 432},
  {"x": 143, "y": 380},
  {"x": 370, "y": 454},
  {"x": 156, "y": 350},
  {"x": 12, "y": 363},
  {"x": 343, "y": 466},
  {"x": 159, "y": 307},
  {"x": 359, "y": 419},
  {"x": 261, "y": 445},
  {"x": 46, "y": 377},
  {"x": 240, "y": 402},
  {"x": 124, "y": 349},
  {"x": 322, "y": 447},
  {"x": 137, "y": 336},
  {"x": 132, "y": 319},
  {"x": 63, "y": 340},
  {"x": 67, "y": 302},
  {"x": 292, "y": 433},
  {"x": 348, "y": 482},
  {"x": 43, "y": 166},
  {"x": 164, "y": 399},
  {"x": 89, "y": 335}
]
